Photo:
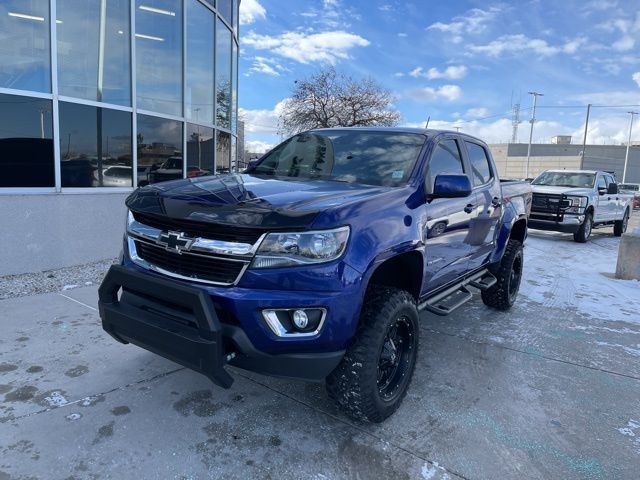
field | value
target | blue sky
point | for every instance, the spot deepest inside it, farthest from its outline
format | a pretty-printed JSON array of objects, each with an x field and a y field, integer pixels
[{"x": 462, "y": 63}]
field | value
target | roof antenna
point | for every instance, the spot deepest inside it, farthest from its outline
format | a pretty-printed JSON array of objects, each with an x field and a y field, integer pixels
[{"x": 428, "y": 119}]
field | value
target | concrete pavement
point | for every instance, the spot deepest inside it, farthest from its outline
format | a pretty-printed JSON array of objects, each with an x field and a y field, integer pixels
[{"x": 547, "y": 390}]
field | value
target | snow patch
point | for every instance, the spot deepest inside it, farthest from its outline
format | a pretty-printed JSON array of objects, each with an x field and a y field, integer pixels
[
  {"x": 429, "y": 471},
  {"x": 69, "y": 287},
  {"x": 56, "y": 400}
]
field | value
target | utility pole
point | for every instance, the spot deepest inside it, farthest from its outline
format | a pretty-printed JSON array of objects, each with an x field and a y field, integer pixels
[
  {"x": 533, "y": 120},
  {"x": 584, "y": 140},
  {"x": 626, "y": 157}
]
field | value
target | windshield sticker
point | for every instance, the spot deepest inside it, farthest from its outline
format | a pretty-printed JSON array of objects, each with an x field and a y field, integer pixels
[{"x": 397, "y": 174}]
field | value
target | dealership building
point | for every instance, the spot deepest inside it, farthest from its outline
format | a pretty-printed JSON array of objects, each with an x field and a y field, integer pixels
[{"x": 98, "y": 97}]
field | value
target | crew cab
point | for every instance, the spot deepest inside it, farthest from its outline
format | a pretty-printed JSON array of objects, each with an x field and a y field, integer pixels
[
  {"x": 576, "y": 201},
  {"x": 315, "y": 261}
]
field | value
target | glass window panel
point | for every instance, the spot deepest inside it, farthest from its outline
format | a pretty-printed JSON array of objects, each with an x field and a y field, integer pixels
[
  {"x": 24, "y": 45},
  {"x": 200, "y": 38},
  {"x": 234, "y": 90},
  {"x": 235, "y": 16},
  {"x": 480, "y": 169},
  {"x": 159, "y": 55},
  {"x": 223, "y": 76},
  {"x": 200, "y": 151},
  {"x": 222, "y": 152},
  {"x": 224, "y": 9},
  {"x": 93, "y": 142},
  {"x": 26, "y": 142},
  {"x": 234, "y": 155},
  {"x": 89, "y": 67},
  {"x": 159, "y": 149}
]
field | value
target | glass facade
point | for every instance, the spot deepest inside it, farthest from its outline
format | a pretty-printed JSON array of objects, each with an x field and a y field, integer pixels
[{"x": 79, "y": 91}]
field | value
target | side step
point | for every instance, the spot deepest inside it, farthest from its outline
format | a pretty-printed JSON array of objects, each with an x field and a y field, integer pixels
[{"x": 454, "y": 297}]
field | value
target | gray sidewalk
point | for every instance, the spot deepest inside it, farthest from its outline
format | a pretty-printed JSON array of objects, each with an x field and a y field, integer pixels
[{"x": 548, "y": 390}]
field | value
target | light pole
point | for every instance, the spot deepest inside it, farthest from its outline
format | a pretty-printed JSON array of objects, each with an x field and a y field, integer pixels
[
  {"x": 532, "y": 121},
  {"x": 584, "y": 140},
  {"x": 626, "y": 157}
]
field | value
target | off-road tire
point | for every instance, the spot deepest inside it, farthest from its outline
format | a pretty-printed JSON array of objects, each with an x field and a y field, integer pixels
[
  {"x": 502, "y": 295},
  {"x": 353, "y": 385},
  {"x": 620, "y": 226},
  {"x": 584, "y": 232}
]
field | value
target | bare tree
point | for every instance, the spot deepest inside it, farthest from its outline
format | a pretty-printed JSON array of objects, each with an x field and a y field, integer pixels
[{"x": 331, "y": 99}]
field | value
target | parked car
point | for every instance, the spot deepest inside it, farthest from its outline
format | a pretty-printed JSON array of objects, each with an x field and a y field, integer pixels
[
  {"x": 171, "y": 169},
  {"x": 120, "y": 176},
  {"x": 576, "y": 201},
  {"x": 315, "y": 262},
  {"x": 632, "y": 189}
]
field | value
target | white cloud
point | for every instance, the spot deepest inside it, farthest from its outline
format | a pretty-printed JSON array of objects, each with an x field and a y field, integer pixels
[
  {"x": 262, "y": 120},
  {"x": 325, "y": 47},
  {"x": 636, "y": 78},
  {"x": 608, "y": 129},
  {"x": 258, "y": 146},
  {"x": 446, "y": 92},
  {"x": 250, "y": 11},
  {"x": 385, "y": 8},
  {"x": 520, "y": 43},
  {"x": 398, "y": 74},
  {"x": 402, "y": 35},
  {"x": 472, "y": 21},
  {"x": 607, "y": 98},
  {"x": 477, "y": 112},
  {"x": 626, "y": 43},
  {"x": 267, "y": 66},
  {"x": 453, "y": 72}
]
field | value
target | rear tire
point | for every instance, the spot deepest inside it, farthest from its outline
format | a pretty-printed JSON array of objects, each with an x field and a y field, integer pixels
[
  {"x": 374, "y": 375},
  {"x": 584, "y": 232},
  {"x": 503, "y": 294},
  {"x": 620, "y": 226}
]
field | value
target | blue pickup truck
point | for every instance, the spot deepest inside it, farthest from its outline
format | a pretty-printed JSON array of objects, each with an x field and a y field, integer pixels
[{"x": 315, "y": 261}]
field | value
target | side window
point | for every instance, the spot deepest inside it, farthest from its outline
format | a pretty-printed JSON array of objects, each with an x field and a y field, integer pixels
[
  {"x": 480, "y": 169},
  {"x": 445, "y": 159},
  {"x": 602, "y": 183},
  {"x": 609, "y": 180}
]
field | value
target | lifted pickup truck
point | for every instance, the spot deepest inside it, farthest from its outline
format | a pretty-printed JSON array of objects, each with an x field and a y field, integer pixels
[
  {"x": 315, "y": 262},
  {"x": 576, "y": 201}
]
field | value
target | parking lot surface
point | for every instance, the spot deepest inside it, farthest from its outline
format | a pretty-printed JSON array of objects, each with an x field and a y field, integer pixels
[{"x": 549, "y": 389}]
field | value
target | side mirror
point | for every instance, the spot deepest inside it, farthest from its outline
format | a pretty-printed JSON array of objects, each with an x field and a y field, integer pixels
[
  {"x": 613, "y": 189},
  {"x": 602, "y": 190},
  {"x": 451, "y": 186}
]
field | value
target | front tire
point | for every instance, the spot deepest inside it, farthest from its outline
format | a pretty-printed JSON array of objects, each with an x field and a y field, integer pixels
[
  {"x": 374, "y": 375},
  {"x": 508, "y": 272},
  {"x": 620, "y": 226},
  {"x": 584, "y": 232}
]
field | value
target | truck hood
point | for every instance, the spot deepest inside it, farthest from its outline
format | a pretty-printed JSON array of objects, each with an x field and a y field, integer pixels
[
  {"x": 246, "y": 200},
  {"x": 562, "y": 190}
]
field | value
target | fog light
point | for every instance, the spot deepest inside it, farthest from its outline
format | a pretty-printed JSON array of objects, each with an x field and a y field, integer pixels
[{"x": 300, "y": 319}]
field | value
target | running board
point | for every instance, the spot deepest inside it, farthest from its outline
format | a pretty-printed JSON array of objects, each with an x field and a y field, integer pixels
[{"x": 454, "y": 297}]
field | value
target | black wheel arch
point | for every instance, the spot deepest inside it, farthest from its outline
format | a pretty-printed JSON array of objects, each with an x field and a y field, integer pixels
[{"x": 403, "y": 271}]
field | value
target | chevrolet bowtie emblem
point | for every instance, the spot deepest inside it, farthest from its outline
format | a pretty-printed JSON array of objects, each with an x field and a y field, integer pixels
[{"x": 175, "y": 242}]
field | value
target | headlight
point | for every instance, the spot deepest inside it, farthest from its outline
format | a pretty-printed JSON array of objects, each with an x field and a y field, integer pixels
[
  {"x": 577, "y": 201},
  {"x": 301, "y": 248},
  {"x": 129, "y": 220}
]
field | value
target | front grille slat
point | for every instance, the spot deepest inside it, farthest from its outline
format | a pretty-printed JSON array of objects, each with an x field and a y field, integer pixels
[
  {"x": 197, "y": 267},
  {"x": 201, "y": 229}
]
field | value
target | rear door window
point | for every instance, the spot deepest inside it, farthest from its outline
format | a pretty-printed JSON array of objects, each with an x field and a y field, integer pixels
[
  {"x": 480, "y": 168},
  {"x": 445, "y": 159}
]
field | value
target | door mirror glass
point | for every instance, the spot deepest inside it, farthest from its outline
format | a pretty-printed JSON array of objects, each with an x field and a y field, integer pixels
[
  {"x": 451, "y": 186},
  {"x": 613, "y": 189}
]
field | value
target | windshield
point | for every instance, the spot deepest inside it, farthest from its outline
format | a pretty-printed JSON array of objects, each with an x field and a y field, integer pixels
[
  {"x": 372, "y": 158},
  {"x": 566, "y": 179}
]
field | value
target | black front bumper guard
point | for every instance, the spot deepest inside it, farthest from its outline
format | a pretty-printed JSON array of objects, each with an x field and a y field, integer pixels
[{"x": 159, "y": 329}]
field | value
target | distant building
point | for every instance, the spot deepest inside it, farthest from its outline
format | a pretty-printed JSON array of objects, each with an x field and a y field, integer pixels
[
  {"x": 511, "y": 159},
  {"x": 561, "y": 139}
]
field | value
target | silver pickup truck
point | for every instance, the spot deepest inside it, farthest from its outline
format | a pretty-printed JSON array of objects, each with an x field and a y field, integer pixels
[{"x": 576, "y": 201}]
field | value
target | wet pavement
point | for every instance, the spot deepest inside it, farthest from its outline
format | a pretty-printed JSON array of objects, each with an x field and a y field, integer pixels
[{"x": 550, "y": 389}]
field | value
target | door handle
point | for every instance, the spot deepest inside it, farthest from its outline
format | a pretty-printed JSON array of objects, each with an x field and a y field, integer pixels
[
  {"x": 469, "y": 208},
  {"x": 496, "y": 202}
]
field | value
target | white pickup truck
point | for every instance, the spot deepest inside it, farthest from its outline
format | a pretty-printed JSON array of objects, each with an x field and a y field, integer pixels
[{"x": 576, "y": 201}]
